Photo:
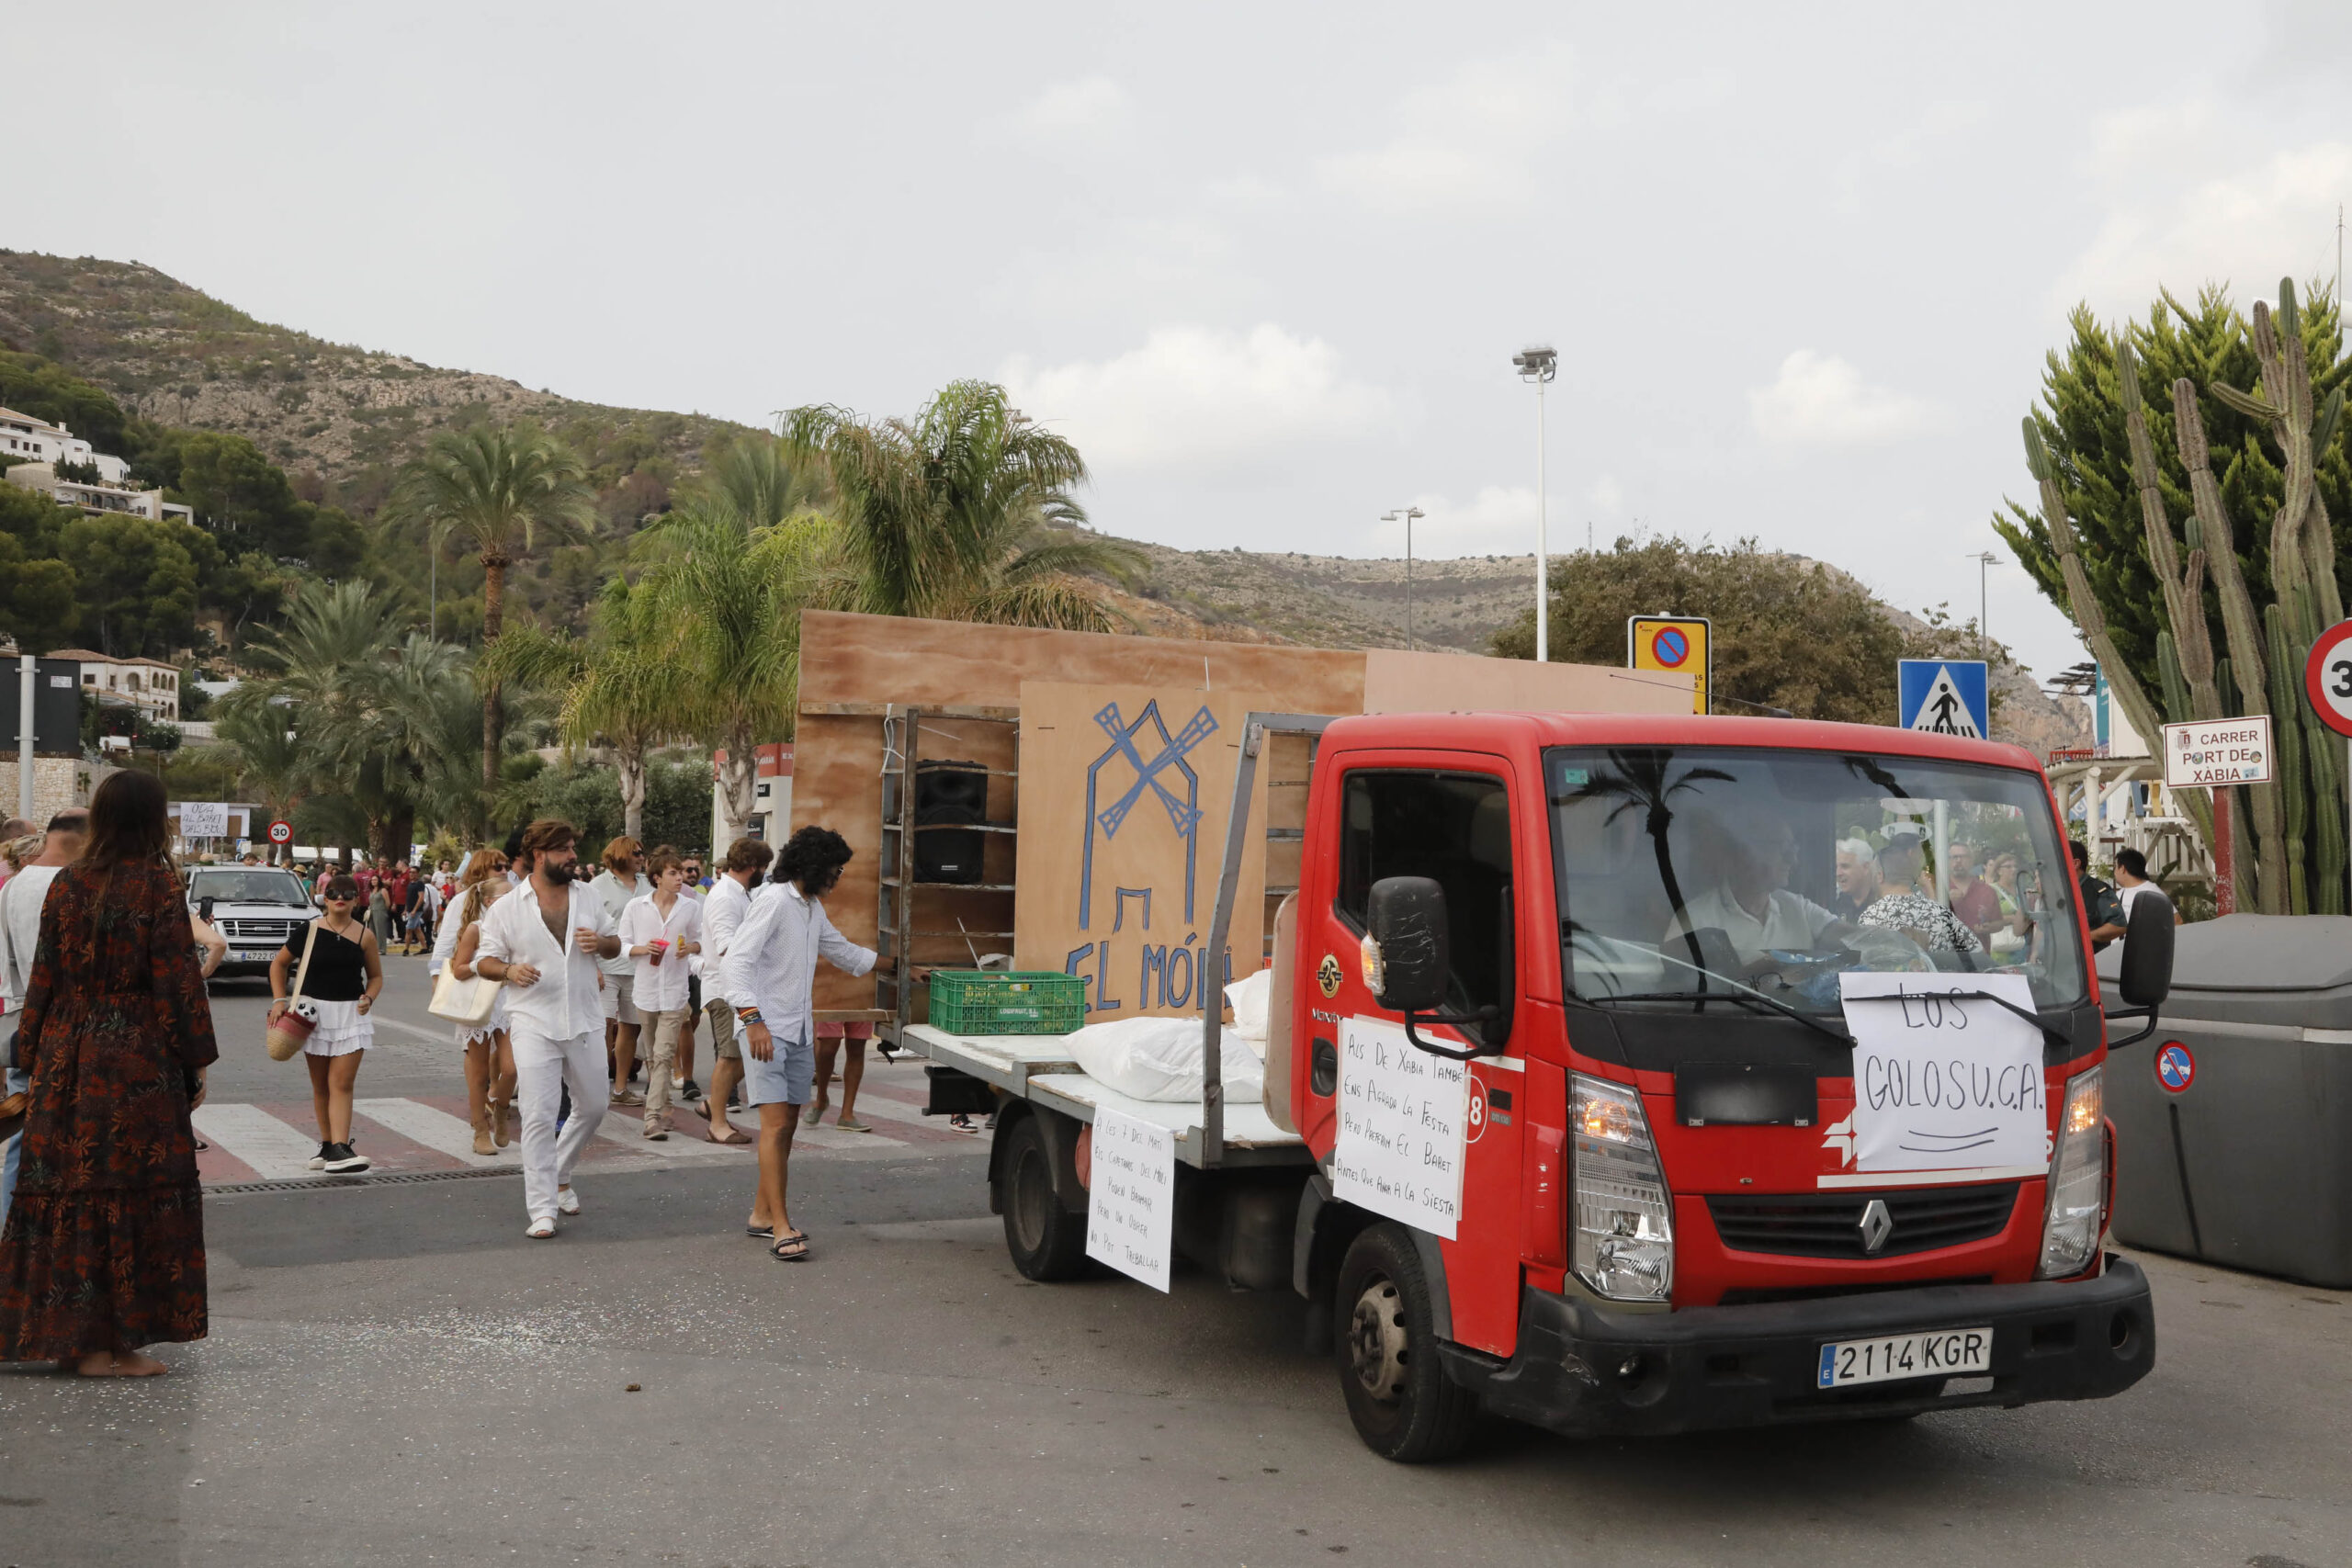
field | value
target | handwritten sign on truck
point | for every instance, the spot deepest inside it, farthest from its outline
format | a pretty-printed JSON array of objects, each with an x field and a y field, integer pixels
[
  {"x": 2217, "y": 752},
  {"x": 1945, "y": 1082},
  {"x": 1401, "y": 1116},
  {"x": 1131, "y": 1197}
]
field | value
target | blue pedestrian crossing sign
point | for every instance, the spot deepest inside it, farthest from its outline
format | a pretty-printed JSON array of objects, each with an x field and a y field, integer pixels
[{"x": 1943, "y": 696}]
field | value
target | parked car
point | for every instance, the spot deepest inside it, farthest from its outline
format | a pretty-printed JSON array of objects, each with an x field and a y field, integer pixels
[{"x": 254, "y": 908}]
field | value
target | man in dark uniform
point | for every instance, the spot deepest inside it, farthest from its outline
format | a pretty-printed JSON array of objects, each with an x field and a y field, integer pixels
[{"x": 2102, "y": 907}]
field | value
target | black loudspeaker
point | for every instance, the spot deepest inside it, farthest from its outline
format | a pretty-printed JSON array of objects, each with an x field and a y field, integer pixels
[
  {"x": 949, "y": 854},
  {"x": 951, "y": 792}
]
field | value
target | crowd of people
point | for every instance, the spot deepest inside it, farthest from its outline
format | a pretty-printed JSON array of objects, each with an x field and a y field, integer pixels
[{"x": 102, "y": 974}]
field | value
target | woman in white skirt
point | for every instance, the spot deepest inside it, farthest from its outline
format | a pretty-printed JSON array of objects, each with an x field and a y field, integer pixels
[
  {"x": 346, "y": 970},
  {"x": 490, "y": 1059}
]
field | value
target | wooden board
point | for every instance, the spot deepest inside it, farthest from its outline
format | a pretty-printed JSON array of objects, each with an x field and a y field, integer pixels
[
  {"x": 1125, "y": 793},
  {"x": 1398, "y": 682},
  {"x": 881, "y": 659}
]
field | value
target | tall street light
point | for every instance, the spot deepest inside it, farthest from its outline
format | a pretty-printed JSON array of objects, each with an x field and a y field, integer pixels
[
  {"x": 1407, "y": 514},
  {"x": 1986, "y": 561},
  {"x": 1539, "y": 364}
]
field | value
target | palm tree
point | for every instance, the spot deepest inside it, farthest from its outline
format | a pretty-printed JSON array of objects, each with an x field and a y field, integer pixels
[
  {"x": 729, "y": 595},
  {"x": 499, "y": 491},
  {"x": 625, "y": 682},
  {"x": 273, "y": 763},
  {"x": 963, "y": 512}
]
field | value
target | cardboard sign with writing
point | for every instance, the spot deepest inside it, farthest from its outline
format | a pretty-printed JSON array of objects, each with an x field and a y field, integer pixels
[
  {"x": 1402, "y": 1112},
  {"x": 1125, "y": 793},
  {"x": 1131, "y": 1197},
  {"x": 1943, "y": 1083}
]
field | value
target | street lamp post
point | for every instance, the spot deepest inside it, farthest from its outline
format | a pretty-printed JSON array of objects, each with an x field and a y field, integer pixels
[
  {"x": 1408, "y": 514},
  {"x": 1986, "y": 560},
  {"x": 1539, "y": 364}
]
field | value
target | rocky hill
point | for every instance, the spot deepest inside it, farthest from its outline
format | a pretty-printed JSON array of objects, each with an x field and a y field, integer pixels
[{"x": 343, "y": 419}]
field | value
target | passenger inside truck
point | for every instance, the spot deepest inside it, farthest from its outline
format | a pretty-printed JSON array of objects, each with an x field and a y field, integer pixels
[{"x": 1685, "y": 871}]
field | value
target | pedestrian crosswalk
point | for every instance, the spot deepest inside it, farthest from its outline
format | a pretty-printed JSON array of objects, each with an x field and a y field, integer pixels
[{"x": 274, "y": 1141}]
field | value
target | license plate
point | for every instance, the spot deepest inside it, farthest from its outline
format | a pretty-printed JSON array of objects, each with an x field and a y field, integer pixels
[
  {"x": 1941, "y": 1353},
  {"x": 250, "y": 955}
]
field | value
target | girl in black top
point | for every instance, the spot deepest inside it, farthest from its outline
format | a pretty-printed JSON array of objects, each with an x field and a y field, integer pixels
[{"x": 346, "y": 971}]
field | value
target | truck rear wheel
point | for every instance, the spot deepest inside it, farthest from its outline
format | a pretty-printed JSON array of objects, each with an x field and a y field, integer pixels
[
  {"x": 1402, "y": 1405},
  {"x": 1046, "y": 1240}
]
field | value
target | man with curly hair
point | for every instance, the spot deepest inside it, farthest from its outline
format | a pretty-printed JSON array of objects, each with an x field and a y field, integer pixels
[{"x": 770, "y": 972}]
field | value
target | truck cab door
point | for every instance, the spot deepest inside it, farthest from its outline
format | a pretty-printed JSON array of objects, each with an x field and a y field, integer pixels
[{"x": 1449, "y": 816}]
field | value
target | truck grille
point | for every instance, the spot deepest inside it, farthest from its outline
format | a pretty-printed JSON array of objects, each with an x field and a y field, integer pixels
[
  {"x": 257, "y": 933},
  {"x": 1829, "y": 1225}
]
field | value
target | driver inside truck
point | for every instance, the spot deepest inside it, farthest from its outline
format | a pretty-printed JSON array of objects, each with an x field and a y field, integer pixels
[{"x": 1751, "y": 902}]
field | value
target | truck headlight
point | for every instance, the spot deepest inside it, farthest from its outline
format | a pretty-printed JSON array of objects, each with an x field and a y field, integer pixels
[
  {"x": 2077, "y": 1180},
  {"x": 1625, "y": 1220}
]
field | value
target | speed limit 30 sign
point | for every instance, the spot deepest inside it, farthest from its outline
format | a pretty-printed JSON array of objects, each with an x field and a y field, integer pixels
[
  {"x": 2327, "y": 677},
  {"x": 281, "y": 832}
]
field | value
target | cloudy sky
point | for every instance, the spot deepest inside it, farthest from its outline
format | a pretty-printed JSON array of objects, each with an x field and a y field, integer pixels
[{"x": 1267, "y": 263}]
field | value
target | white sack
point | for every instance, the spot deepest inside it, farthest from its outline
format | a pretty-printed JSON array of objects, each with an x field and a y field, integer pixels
[
  {"x": 1250, "y": 999},
  {"x": 1160, "y": 1058}
]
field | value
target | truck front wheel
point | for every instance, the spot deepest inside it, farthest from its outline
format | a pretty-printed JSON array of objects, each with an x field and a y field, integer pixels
[
  {"x": 1046, "y": 1240},
  {"x": 1404, "y": 1405}
]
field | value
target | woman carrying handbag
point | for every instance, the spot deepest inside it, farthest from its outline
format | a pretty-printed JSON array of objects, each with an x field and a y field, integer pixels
[
  {"x": 459, "y": 996},
  {"x": 340, "y": 979}
]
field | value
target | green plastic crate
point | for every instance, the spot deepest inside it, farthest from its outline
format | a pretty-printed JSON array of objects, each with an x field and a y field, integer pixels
[{"x": 986, "y": 1001}]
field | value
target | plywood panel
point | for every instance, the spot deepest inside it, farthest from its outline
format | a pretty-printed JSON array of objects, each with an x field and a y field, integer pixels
[
  {"x": 885, "y": 658},
  {"x": 1398, "y": 682},
  {"x": 1125, "y": 792}
]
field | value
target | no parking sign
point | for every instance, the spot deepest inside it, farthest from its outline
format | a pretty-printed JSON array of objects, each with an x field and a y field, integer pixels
[
  {"x": 2175, "y": 1067},
  {"x": 1676, "y": 643}
]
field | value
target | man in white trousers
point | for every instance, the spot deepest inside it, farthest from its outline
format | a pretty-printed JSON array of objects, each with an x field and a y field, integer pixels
[{"x": 544, "y": 941}]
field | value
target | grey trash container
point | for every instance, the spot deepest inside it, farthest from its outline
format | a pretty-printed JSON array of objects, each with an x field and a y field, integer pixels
[{"x": 2250, "y": 1164}]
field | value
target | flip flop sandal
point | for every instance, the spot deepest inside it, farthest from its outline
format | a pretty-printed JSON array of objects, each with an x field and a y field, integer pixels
[
  {"x": 797, "y": 1239},
  {"x": 760, "y": 1233}
]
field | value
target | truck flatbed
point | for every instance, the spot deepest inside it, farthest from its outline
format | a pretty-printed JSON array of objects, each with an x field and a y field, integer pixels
[{"x": 1039, "y": 1069}]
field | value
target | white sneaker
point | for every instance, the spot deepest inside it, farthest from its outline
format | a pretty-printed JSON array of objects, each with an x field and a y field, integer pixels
[
  {"x": 541, "y": 1228},
  {"x": 568, "y": 1200}
]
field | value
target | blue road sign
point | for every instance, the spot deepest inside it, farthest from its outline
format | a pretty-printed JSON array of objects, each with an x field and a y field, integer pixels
[{"x": 1943, "y": 696}]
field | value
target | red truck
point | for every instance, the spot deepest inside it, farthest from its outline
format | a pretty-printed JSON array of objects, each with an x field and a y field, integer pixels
[{"x": 1632, "y": 931}]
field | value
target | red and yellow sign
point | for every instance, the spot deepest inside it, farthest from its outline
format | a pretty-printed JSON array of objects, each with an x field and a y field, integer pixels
[{"x": 1679, "y": 644}]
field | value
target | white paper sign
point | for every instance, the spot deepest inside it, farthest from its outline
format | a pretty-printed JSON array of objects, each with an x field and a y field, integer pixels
[
  {"x": 1402, "y": 1112},
  {"x": 1945, "y": 1084},
  {"x": 204, "y": 820},
  {"x": 1131, "y": 1197}
]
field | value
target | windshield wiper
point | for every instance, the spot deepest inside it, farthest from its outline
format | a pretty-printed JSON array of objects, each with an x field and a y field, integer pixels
[{"x": 1750, "y": 999}]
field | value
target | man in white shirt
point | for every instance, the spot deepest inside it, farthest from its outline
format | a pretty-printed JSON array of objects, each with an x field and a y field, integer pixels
[
  {"x": 1752, "y": 905},
  {"x": 544, "y": 940},
  {"x": 723, "y": 912},
  {"x": 21, "y": 897},
  {"x": 617, "y": 884},
  {"x": 660, "y": 934},
  {"x": 770, "y": 970}
]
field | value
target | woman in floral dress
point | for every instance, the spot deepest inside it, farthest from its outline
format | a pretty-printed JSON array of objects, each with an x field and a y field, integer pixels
[{"x": 103, "y": 1249}]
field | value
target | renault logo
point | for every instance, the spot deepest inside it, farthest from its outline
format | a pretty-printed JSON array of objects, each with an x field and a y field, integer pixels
[{"x": 1877, "y": 1225}]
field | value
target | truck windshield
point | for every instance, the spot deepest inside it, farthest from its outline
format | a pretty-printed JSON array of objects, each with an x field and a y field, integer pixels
[
  {"x": 1760, "y": 876},
  {"x": 252, "y": 885}
]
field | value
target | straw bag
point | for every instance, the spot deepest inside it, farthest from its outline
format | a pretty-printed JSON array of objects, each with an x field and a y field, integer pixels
[
  {"x": 290, "y": 1031},
  {"x": 467, "y": 1002}
]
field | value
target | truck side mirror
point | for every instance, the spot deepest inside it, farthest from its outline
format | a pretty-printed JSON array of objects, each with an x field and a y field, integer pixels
[
  {"x": 2143, "y": 978},
  {"x": 1407, "y": 918}
]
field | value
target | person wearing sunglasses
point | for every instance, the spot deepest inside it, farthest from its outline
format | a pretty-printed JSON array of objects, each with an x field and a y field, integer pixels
[{"x": 347, "y": 972}]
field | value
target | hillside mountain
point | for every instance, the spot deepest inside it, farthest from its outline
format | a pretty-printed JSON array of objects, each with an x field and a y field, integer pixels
[{"x": 342, "y": 420}]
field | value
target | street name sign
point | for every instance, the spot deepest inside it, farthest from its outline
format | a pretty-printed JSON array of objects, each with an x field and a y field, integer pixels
[
  {"x": 1943, "y": 696},
  {"x": 2218, "y": 752}
]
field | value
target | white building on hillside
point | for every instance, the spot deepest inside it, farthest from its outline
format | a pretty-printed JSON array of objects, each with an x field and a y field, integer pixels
[
  {"x": 38, "y": 440},
  {"x": 148, "y": 684}
]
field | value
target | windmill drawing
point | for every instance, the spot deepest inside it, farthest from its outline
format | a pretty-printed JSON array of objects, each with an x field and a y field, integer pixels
[{"x": 1165, "y": 774}]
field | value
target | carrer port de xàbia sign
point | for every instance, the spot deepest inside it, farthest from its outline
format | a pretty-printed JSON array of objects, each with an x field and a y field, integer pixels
[{"x": 2217, "y": 752}]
